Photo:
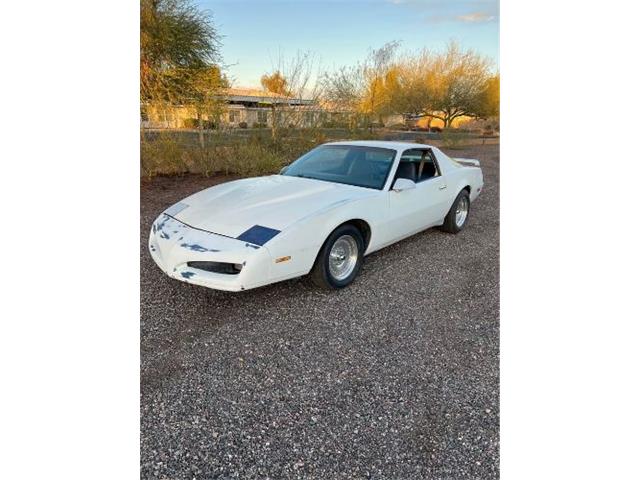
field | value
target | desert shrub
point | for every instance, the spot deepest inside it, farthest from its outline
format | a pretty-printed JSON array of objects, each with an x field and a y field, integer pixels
[
  {"x": 398, "y": 126},
  {"x": 335, "y": 124},
  {"x": 487, "y": 130},
  {"x": 453, "y": 138},
  {"x": 207, "y": 161},
  {"x": 190, "y": 123},
  {"x": 248, "y": 159},
  {"x": 249, "y": 153},
  {"x": 435, "y": 129},
  {"x": 364, "y": 134},
  {"x": 319, "y": 137},
  {"x": 163, "y": 155}
]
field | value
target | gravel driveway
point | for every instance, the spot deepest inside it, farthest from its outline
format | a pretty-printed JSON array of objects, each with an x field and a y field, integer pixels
[{"x": 395, "y": 377}]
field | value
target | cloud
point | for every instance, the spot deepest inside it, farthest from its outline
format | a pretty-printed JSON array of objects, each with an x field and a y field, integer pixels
[
  {"x": 460, "y": 11},
  {"x": 475, "y": 17}
]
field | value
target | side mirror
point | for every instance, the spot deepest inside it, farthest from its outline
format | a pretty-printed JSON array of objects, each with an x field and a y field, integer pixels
[
  {"x": 283, "y": 169},
  {"x": 402, "y": 184}
]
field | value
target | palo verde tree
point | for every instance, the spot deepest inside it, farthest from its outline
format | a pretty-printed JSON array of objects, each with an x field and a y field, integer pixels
[
  {"x": 275, "y": 83},
  {"x": 366, "y": 87},
  {"x": 490, "y": 101},
  {"x": 278, "y": 84},
  {"x": 445, "y": 85},
  {"x": 179, "y": 55}
]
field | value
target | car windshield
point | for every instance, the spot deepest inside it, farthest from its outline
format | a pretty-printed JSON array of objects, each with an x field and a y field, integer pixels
[{"x": 350, "y": 164}]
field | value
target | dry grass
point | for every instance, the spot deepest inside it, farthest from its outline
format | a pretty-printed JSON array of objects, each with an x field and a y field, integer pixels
[
  {"x": 254, "y": 153},
  {"x": 168, "y": 153}
]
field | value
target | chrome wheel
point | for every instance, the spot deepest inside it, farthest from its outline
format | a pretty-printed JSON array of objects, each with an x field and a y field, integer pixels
[
  {"x": 343, "y": 257},
  {"x": 462, "y": 210}
]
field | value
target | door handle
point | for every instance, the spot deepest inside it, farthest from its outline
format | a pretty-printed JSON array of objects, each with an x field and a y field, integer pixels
[{"x": 442, "y": 187}]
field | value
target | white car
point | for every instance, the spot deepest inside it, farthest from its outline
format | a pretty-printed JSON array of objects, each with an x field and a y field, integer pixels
[{"x": 321, "y": 215}]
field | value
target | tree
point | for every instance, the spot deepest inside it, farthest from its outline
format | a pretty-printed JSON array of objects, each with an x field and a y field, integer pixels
[
  {"x": 344, "y": 88},
  {"x": 445, "y": 85},
  {"x": 293, "y": 79},
  {"x": 366, "y": 87},
  {"x": 379, "y": 78},
  {"x": 490, "y": 101},
  {"x": 179, "y": 56},
  {"x": 275, "y": 83},
  {"x": 202, "y": 92},
  {"x": 175, "y": 38}
]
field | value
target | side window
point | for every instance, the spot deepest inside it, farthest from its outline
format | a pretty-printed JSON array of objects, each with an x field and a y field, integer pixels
[
  {"x": 430, "y": 168},
  {"x": 423, "y": 164}
]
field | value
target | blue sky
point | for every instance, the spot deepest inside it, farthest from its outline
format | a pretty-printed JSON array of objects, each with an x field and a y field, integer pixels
[{"x": 256, "y": 33}]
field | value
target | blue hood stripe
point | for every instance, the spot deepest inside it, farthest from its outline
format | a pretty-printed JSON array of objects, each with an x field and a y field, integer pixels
[{"x": 258, "y": 235}]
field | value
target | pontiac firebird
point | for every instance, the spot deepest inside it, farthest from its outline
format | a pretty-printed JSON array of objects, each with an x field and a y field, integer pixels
[{"x": 320, "y": 215}]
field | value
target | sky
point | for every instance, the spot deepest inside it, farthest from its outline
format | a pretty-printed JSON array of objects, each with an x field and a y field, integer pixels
[{"x": 257, "y": 33}]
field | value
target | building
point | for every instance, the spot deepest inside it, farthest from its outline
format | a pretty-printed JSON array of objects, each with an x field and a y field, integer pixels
[
  {"x": 253, "y": 108},
  {"x": 244, "y": 107}
]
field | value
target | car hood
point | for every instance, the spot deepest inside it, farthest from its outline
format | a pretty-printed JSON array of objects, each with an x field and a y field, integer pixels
[{"x": 275, "y": 202}]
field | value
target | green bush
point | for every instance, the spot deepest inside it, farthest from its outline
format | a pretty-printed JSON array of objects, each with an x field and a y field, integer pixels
[
  {"x": 259, "y": 125},
  {"x": 242, "y": 125}
]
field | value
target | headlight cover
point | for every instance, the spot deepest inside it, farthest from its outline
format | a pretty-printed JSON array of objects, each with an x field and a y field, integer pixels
[{"x": 173, "y": 210}]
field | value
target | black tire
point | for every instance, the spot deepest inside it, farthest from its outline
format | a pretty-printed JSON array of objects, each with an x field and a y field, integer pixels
[
  {"x": 449, "y": 224},
  {"x": 321, "y": 275}
]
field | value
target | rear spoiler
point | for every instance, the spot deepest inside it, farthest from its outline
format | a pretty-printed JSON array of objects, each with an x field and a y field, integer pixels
[{"x": 467, "y": 161}]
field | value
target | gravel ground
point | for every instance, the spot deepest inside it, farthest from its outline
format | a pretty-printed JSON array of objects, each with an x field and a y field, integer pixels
[{"x": 395, "y": 377}]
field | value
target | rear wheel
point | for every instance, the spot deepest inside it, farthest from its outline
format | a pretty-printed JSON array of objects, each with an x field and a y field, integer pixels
[
  {"x": 340, "y": 258},
  {"x": 456, "y": 219}
]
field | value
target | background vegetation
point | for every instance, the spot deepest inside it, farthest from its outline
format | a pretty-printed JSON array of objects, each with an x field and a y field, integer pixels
[{"x": 180, "y": 64}]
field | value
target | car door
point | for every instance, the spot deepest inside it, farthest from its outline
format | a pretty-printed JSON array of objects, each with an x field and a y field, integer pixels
[
  {"x": 421, "y": 207},
  {"x": 433, "y": 192}
]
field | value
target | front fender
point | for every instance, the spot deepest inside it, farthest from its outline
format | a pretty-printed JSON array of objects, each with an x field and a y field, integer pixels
[{"x": 302, "y": 240}]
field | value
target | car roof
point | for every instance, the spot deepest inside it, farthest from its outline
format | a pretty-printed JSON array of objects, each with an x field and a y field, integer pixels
[{"x": 382, "y": 144}]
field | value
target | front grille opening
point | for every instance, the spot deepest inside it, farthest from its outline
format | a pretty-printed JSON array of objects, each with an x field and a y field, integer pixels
[{"x": 217, "y": 267}]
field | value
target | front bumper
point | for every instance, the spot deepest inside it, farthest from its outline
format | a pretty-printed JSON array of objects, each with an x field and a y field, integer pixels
[{"x": 172, "y": 244}]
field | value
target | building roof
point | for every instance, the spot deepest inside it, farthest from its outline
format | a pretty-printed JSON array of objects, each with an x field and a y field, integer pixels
[{"x": 261, "y": 96}]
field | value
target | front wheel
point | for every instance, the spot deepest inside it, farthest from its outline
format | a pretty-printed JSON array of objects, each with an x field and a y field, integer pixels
[
  {"x": 340, "y": 258},
  {"x": 457, "y": 216}
]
